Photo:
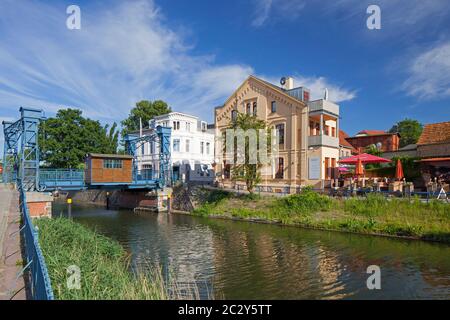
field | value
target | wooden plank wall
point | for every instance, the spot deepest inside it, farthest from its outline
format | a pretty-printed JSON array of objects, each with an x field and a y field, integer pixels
[{"x": 102, "y": 175}]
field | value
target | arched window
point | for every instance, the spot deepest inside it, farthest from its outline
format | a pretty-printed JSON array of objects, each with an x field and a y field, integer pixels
[
  {"x": 248, "y": 109},
  {"x": 233, "y": 115},
  {"x": 255, "y": 109}
]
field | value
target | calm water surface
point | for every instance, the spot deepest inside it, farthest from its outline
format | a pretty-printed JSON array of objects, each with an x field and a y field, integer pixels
[{"x": 255, "y": 261}]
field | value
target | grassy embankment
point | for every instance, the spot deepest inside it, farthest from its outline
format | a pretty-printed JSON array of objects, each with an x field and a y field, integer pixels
[
  {"x": 104, "y": 265},
  {"x": 372, "y": 215}
]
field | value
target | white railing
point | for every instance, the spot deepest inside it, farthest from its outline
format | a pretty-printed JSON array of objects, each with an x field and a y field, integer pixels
[{"x": 323, "y": 141}]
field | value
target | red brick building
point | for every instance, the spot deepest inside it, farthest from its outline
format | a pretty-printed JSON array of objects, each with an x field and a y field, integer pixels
[
  {"x": 434, "y": 149},
  {"x": 385, "y": 141}
]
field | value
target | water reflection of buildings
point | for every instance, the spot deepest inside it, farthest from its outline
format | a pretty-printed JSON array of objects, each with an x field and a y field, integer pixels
[
  {"x": 274, "y": 267},
  {"x": 184, "y": 252}
]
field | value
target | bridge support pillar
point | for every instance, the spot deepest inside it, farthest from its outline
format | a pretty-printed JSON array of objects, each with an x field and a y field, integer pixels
[
  {"x": 164, "y": 196},
  {"x": 39, "y": 204}
]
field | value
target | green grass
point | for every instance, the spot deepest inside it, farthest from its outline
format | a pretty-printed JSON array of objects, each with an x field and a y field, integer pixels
[
  {"x": 104, "y": 265},
  {"x": 372, "y": 215}
]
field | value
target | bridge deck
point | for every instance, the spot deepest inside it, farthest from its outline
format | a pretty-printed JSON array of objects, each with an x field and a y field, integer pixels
[{"x": 69, "y": 179}]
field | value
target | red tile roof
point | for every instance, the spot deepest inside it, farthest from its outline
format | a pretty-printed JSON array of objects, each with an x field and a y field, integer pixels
[
  {"x": 372, "y": 132},
  {"x": 435, "y": 133},
  {"x": 342, "y": 139}
]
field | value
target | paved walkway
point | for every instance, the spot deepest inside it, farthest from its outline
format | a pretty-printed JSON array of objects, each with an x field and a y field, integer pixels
[{"x": 11, "y": 286}]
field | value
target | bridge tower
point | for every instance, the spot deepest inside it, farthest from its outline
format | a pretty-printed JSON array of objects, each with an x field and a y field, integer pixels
[
  {"x": 161, "y": 135},
  {"x": 21, "y": 149}
]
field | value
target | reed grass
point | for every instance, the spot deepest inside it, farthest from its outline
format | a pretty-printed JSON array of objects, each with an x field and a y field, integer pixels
[{"x": 104, "y": 266}]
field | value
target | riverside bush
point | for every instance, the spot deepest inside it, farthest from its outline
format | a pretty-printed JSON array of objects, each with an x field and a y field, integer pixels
[{"x": 307, "y": 201}]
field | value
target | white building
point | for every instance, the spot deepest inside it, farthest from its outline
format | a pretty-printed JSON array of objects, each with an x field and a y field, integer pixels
[{"x": 191, "y": 147}]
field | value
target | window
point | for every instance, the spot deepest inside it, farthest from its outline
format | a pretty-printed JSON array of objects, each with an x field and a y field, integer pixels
[
  {"x": 273, "y": 108},
  {"x": 327, "y": 166},
  {"x": 202, "y": 147},
  {"x": 233, "y": 115},
  {"x": 188, "y": 126},
  {"x": 226, "y": 170},
  {"x": 280, "y": 132},
  {"x": 280, "y": 171},
  {"x": 176, "y": 125},
  {"x": 112, "y": 164},
  {"x": 248, "y": 108},
  {"x": 333, "y": 131},
  {"x": 204, "y": 126},
  {"x": 255, "y": 109},
  {"x": 176, "y": 145},
  {"x": 207, "y": 147},
  {"x": 187, "y": 145},
  {"x": 143, "y": 149},
  {"x": 327, "y": 130}
]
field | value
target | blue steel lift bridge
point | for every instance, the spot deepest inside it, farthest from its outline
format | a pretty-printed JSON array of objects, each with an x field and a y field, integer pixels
[{"x": 21, "y": 159}]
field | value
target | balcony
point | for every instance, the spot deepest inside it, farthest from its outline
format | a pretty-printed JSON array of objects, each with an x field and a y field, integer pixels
[
  {"x": 321, "y": 105},
  {"x": 325, "y": 141}
]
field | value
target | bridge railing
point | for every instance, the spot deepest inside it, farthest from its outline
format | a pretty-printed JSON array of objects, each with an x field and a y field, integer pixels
[
  {"x": 56, "y": 178},
  {"x": 61, "y": 175},
  {"x": 39, "y": 279}
]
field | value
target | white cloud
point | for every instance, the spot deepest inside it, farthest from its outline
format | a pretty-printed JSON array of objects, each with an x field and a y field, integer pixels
[
  {"x": 429, "y": 74},
  {"x": 276, "y": 9},
  {"x": 123, "y": 53}
]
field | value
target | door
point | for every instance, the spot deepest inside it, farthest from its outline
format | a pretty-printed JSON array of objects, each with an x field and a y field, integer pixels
[{"x": 176, "y": 173}]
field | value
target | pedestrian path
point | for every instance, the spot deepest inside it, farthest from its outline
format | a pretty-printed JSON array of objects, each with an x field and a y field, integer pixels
[{"x": 11, "y": 283}]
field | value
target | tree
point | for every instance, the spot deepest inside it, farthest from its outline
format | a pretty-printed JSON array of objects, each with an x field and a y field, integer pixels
[
  {"x": 145, "y": 110},
  {"x": 409, "y": 130},
  {"x": 248, "y": 172},
  {"x": 65, "y": 139}
]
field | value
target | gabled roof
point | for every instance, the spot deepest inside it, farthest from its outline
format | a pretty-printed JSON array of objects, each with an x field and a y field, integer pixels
[
  {"x": 343, "y": 139},
  {"x": 268, "y": 84},
  {"x": 435, "y": 133}
]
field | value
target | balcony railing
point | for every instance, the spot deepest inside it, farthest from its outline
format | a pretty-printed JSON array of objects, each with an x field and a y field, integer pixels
[
  {"x": 323, "y": 105},
  {"x": 323, "y": 141}
]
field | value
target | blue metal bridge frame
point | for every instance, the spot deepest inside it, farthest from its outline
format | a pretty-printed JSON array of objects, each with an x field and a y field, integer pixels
[
  {"x": 21, "y": 159},
  {"x": 21, "y": 149}
]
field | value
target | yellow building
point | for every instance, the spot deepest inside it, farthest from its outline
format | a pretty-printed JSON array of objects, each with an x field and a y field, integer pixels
[{"x": 308, "y": 141}]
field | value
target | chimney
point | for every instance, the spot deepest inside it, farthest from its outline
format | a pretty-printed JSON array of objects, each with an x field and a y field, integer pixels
[{"x": 289, "y": 83}]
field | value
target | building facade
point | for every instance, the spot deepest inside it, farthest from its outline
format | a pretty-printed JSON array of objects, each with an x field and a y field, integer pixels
[
  {"x": 308, "y": 142},
  {"x": 191, "y": 144},
  {"x": 433, "y": 147},
  {"x": 384, "y": 141}
]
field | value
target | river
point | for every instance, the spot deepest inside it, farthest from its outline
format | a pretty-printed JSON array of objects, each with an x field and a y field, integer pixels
[{"x": 241, "y": 260}]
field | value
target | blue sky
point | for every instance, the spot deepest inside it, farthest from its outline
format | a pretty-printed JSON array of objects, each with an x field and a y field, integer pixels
[{"x": 193, "y": 54}]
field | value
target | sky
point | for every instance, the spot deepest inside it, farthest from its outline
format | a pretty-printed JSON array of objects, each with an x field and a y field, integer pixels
[{"x": 194, "y": 54}]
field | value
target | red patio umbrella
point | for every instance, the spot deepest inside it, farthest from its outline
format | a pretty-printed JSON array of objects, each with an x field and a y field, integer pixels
[
  {"x": 399, "y": 171},
  {"x": 364, "y": 158}
]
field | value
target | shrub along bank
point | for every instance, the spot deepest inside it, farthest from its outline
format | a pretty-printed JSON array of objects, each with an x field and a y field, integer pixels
[{"x": 372, "y": 215}]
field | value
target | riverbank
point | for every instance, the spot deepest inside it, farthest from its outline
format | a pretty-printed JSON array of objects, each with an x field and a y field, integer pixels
[
  {"x": 103, "y": 264},
  {"x": 373, "y": 215}
]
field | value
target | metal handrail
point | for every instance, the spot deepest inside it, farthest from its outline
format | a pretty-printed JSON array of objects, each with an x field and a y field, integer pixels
[{"x": 40, "y": 285}]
